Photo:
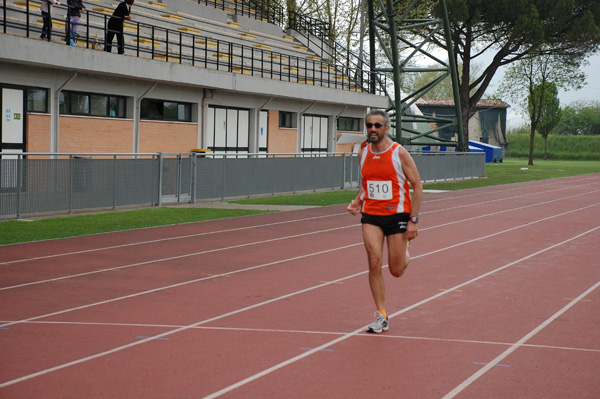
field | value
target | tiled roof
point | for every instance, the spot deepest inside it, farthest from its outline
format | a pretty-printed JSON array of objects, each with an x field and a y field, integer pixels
[{"x": 448, "y": 102}]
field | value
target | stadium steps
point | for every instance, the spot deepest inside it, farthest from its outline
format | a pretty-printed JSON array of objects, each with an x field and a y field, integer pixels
[
  {"x": 267, "y": 47},
  {"x": 154, "y": 13}
]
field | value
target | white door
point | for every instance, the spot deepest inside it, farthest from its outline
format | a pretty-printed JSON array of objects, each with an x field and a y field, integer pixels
[
  {"x": 12, "y": 135},
  {"x": 263, "y": 132},
  {"x": 13, "y": 120}
]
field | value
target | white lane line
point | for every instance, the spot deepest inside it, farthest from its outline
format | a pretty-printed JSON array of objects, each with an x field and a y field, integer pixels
[
  {"x": 211, "y": 277},
  {"x": 292, "y": 360},
  {"x": 167, "y": 333},
  {"x": 517, "y": 209},
  {"x": 280, "y": 238},
  {"x": 153, "y": 261},
  {"x": 304, "y": 332},
  {"x": 285, "y": 260},
  {"x": 517, "y": 344},
  {"x": 520, "y": 196},
  {"x": 413, "y": 306},
  {"x": 511, "y": 229},
  {"x": 514, "y": 187},
  {"x": 258, "y": 226},
  {"x": 158, "y": 240}
]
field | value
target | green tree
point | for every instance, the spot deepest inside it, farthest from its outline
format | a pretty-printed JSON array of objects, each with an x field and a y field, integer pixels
[
  {"x": 342, "y": 16},
  {"x": 580, "y": 118},
  {"x": 441, "y": 90},
  {"x": 528, "y": 80},
  {"x": 544, "y": 113},
  {"x": 512, "y": 30}
]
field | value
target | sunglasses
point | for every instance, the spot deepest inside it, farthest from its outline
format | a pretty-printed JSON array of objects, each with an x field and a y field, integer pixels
[{"x": 376, "y": 124}]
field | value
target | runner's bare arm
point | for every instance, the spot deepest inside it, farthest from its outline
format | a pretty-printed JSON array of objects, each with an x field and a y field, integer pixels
[
  {"x": 412, "y": 174},
  {"x": 354, "y": 206}
]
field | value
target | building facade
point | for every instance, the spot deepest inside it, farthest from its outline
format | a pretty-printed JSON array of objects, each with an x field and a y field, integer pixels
[{"x": 63, "y": 99}]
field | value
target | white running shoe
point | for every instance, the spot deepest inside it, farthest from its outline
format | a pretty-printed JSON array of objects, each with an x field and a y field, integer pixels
[{"x": 379, "y": 325}]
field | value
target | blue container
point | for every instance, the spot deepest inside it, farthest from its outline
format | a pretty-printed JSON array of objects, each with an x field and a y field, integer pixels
[{"x": 493, "y": 153}]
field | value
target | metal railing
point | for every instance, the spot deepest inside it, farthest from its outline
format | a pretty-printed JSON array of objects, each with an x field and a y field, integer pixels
[
  {"x": 184, "y": 46},
  {"x": 316, "y": 35},
  {"x": 34, "y": 183},
  {"x": 264, "y": 10},
  {"x": 309, "y": 25}
]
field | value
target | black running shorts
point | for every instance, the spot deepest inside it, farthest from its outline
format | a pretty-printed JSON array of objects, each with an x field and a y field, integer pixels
[{"x": 390, "y": 224}]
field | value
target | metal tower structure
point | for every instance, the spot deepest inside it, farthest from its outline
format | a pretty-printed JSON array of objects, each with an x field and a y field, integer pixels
[{"x": 390, "y": 28}]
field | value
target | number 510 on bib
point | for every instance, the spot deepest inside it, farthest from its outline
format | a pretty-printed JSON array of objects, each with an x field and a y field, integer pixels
[{"x": 380, "y": 190}]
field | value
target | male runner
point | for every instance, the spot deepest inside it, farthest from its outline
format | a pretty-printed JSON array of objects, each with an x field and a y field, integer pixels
[{"x": 388, "y": 212}]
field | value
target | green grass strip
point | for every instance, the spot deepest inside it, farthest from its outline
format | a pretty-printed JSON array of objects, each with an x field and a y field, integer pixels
[
  {"x": 313, "y": 199},
  {"x": 14, "y": 231},
  {"x": 516, "y": 170}
]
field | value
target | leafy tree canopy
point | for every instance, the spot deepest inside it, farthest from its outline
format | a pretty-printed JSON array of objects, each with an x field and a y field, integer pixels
[
  {"x": 515, "y": 29},
  {"x": 545, "y": 106},
  {"x": 580, "y": 119},
  {"x": 548, "y": 108}
]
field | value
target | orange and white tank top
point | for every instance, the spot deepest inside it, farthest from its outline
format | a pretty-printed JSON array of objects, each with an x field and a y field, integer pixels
[{"x": 385, "y": 188}]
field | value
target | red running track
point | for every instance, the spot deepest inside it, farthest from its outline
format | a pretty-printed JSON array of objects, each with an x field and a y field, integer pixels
[{"x": 501, "y": 300}]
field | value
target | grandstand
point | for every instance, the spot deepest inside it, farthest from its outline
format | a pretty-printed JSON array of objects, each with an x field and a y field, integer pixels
[{"x": 231, "y": 76}]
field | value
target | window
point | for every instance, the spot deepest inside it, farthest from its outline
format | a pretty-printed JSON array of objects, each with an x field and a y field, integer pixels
[
  {"x": 37, "y": 100},
  {"x": 79, "y": 104},
  {"x": 159, "y": 110},
  {"x": 349, "y": 124},
  {"x": 98, "y": 105},
  {"x": 75, "y": 103},
  {"x": 287, "y": 120}
]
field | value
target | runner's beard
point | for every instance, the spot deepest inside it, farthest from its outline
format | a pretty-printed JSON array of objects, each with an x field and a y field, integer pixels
[{"x": 376, "y": 140}]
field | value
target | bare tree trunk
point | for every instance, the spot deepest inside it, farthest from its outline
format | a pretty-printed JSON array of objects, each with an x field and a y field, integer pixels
[
  {"x": 465, "y": 100},
  {"x": 531, "y": 136},
  {"x": 465, "y": 111}
]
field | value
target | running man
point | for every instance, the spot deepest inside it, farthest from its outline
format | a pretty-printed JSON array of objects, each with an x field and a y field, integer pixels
[{"x": 388, "y": 212}]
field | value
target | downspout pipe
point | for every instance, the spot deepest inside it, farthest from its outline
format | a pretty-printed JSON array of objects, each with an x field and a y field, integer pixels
[
  {"x": 307, "y": 108},
  {"x": 341, "y": 112},
  {"x": 137, "y": 118},
  {"x": 54, "y": 143},
  {"x": 334, "y": 134}
]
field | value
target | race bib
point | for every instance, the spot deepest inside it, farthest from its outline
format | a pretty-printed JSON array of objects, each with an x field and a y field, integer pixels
[{"x": 379, "y": 190}]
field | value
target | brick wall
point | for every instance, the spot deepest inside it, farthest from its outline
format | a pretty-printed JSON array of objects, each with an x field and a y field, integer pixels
[
  {"x": 38, "y": 133},
  {"x": 280, "y": 140},
  {"x": 168, "y": 136},
  {"x": 344, "y": 147},
  {"x": 85, "y": 134},
  {"x": 347, "y": 147}
]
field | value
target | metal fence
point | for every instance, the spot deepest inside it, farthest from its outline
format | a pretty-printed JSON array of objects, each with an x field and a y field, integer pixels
[
  {"x": 439, "y": 166},
  {"x": 34, "y": 183}
]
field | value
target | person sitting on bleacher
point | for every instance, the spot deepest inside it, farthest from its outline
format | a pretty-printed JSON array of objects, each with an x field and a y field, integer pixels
[{"x": 115, "y": 26}]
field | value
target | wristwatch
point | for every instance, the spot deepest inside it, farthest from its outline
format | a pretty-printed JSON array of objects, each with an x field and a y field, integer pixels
[{"x": 414, "y": 219}]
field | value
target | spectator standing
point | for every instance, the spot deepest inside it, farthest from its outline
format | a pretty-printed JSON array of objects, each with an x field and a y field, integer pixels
[
  {"x": 75, "y": 9},
  {"x": 115, "y": 26},
  {"x": 47, "y": 17}
]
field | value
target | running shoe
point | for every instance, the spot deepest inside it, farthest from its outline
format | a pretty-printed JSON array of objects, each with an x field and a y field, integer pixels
[{"x": 380, "y": 324}]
